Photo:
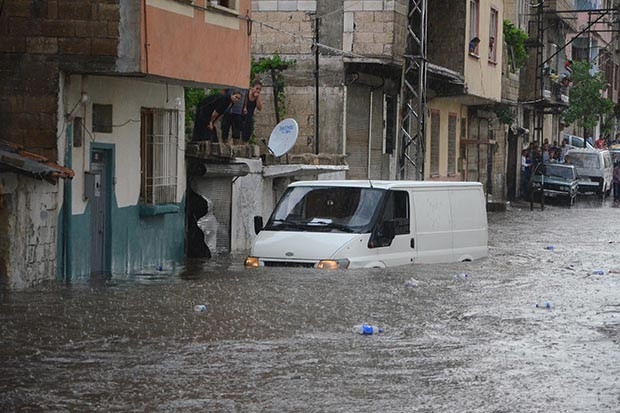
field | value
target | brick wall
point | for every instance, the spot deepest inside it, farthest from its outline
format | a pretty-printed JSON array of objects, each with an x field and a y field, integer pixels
[{"x": 38, "y": 40}]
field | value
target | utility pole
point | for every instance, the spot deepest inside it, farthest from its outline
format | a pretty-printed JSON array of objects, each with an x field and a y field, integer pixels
[{"x": 413, "y": 92}]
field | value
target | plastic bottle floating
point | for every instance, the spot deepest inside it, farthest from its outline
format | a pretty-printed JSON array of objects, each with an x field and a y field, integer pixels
[
  {"x": 546, "y": 305},
  {"x": 411, "y": 283},
  {"x": 462, "y": 276},
  {"x": 598, "y": 272},
  {"x": 367, "y": 329},
  {"x": 200, "y": 308},
  {"x": 550, "y": 247}
]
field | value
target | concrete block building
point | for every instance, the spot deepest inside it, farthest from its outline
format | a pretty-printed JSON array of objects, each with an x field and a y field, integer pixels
[{"x": 97, "y": 86}]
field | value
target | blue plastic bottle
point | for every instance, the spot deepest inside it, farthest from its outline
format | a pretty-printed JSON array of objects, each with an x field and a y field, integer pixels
[
  {"x": 200, "y": 308},
  {"x": 546, "y": 305},
  {"x": 367, "y": 329}
]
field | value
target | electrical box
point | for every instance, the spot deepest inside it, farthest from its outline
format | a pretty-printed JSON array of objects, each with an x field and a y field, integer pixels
[{"x": 92, "y": 184}]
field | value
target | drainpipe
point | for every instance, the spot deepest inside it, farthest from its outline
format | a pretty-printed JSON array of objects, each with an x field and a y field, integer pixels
[
  {"x": 370, "y": 133},
  {"x": 67, "y": 196}
]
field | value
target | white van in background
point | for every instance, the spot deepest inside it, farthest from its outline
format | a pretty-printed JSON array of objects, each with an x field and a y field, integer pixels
[
  {"x": 594, "y": 170},
  {"x": 362, "y": 224}
]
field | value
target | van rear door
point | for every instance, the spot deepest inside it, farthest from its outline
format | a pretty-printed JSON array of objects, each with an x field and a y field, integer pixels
[{"x": 469, "y": 223}]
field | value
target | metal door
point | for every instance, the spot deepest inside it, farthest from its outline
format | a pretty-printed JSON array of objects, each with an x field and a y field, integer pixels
[{"x": 99, "y": 211}]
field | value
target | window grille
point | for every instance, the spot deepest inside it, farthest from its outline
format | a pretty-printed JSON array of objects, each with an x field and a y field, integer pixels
[{"x": 159, "y": 147}]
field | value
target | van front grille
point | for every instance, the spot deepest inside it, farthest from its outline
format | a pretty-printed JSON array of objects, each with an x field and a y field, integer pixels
[{"x": 288, "y": 264}]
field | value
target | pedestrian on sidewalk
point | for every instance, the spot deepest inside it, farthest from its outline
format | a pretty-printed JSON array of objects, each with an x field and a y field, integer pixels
[{"x": 616, "y": 183}]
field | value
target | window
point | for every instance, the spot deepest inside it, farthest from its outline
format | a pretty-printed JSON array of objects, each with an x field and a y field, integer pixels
[
  {"x": 102, "y": 118},
  {"x": 474, "y": 15},
  {"x": 396, "y": 209},
  {"x": 452, "y": 144},
  {"x": 158, "y": 149},
  {"x": 524, "y": 10},
  {"x": 493, "y": 25},
  {"x": 229, "y": 4},
  {"x": 434, "y": 142}
]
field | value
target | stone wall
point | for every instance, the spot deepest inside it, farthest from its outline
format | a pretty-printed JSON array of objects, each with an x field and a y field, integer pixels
[{"x": 28, "y": 220}]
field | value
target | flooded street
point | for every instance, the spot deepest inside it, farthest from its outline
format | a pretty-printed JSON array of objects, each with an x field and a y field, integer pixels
[{"x": 281, "y": 340}]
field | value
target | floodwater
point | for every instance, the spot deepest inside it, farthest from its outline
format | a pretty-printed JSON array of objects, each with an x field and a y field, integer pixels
[{"x": 281, "y": 340}]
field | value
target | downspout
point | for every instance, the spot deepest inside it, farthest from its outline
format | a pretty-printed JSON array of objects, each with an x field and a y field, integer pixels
[
  {"x": 369, "y": 133},
  {"x": 67, "y": 199},
  {"x": 372, "y": 95}
]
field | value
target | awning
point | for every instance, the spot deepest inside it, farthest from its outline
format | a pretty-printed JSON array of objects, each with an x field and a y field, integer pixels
[{"x": 15, "y": 159}]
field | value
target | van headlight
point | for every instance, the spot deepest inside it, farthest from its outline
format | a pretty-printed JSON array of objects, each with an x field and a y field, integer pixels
[
  {"x": 251, "y": 262},
  {"x": 333, "y": 264}
]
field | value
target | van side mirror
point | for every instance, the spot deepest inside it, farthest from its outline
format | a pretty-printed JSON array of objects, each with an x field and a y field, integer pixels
[
  {"x": 389, "y": 229},
  {"x": 258, "y": 224}
]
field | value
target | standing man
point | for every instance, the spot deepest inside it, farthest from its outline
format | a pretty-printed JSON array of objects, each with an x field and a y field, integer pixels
[
  {"x": 616, "y": 184},
  {"x": 208, "y": 111},
  {"x": 252, "y": 103}
]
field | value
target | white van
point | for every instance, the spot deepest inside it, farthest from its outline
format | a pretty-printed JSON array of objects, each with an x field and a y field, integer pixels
[
  {"x": 362, "y": 224},
  {"x": 594, "y": 170}
]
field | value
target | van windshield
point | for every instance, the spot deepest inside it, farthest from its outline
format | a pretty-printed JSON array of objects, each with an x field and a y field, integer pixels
[
  {"x": 584, "y": 160},
  {"x": 326, "y": 209}
]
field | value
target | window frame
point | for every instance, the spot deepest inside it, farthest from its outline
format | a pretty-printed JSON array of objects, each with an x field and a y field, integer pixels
[
  {"x": 159, "y": 166},
  {"x": 452, "y": 128},
  {"x": 474, "y": 25},
  {"x": 493, "y": 34}
]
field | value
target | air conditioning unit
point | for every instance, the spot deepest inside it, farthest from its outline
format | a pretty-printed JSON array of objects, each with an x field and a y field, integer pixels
[{"x": 546, "y": 94}]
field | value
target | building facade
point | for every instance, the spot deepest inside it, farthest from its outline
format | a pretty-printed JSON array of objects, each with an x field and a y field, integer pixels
[
  {"x": 98, "y": 86},
  {"x": 361, "y": 45}
]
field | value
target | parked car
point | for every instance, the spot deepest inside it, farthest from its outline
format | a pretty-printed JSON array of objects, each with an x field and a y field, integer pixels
[
  {"x": 576, "y": 141},
  {"x": 594, "y": 169},
  {"x": 557, "y": 180}
]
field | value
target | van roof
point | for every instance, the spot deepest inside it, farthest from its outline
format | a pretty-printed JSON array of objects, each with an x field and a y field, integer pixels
[
  {"x": 389, "y": 184},
  {"x": 586, "y": 150}
]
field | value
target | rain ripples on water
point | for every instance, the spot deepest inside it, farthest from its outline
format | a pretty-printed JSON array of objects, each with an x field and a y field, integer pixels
[{"x": 281, "y": 340}]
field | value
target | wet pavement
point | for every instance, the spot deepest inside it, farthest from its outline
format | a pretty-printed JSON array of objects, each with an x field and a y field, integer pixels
[{"x": 281, "y": 340}]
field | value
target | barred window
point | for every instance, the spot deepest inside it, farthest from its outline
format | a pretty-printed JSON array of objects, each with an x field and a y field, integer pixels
[{"x": 158, "y": 150}]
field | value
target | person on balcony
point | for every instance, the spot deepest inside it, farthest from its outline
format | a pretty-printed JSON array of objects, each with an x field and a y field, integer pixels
[
  {"x": 252, "y": 102},
  {"x": 208, "y": 112}
]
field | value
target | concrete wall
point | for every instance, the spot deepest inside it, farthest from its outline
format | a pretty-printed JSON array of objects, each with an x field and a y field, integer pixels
[
  {"x": 136, "y": 241},
  {"x": 196, "y": 42},
  {"x": 368, "y": 29},
  {"x": 447, "y": 48},
  {"x": 482, "y": 75}
]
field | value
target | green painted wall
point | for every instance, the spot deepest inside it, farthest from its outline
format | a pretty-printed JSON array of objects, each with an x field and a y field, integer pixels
[{"x": 137, "y": 243}]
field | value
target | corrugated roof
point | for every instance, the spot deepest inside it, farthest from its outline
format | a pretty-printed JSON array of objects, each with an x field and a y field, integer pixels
[{"x": 14, "y": 158}]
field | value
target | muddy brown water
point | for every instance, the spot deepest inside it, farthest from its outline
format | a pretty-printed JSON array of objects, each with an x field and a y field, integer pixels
[{"x": 281, "y": 340}]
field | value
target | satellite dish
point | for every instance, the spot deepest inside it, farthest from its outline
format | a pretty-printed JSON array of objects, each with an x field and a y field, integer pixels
[{"x": 283, "y": 137}]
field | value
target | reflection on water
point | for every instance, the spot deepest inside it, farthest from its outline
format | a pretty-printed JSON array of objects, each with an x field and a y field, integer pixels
[{"x": 281, "y": 340}]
